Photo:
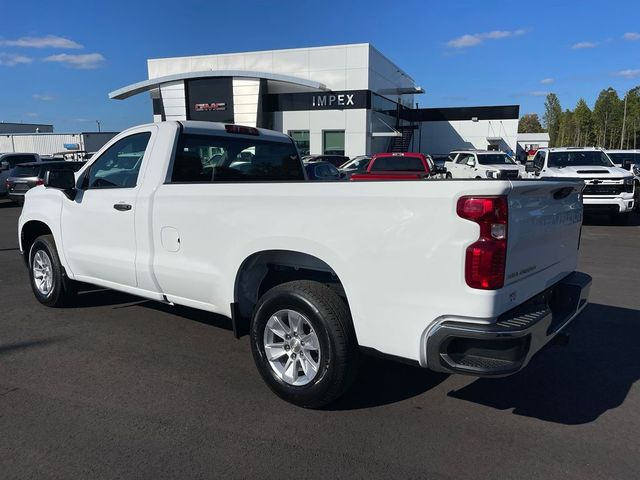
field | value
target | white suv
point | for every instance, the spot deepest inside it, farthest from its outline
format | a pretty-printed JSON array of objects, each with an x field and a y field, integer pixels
[
  {"x": 482, "y": 164},
  {"x": 608, "y": 189}
]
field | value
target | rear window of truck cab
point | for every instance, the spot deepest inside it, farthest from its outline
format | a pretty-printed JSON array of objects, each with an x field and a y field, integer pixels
[
  {"x": 397, "y": 163},
  {"x": 211, "y": 158}
]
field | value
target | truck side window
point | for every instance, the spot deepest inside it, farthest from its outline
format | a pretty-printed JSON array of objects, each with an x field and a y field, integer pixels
[
  {"x": 119, "y": 165},
  {"x": 211, "y": 158}
]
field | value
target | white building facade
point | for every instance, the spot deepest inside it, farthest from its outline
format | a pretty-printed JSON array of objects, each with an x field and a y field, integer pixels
[{"x": 344, "y": 99}]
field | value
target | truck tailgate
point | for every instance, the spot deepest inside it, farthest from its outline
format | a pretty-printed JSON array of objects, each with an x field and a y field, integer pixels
[{"x": 545, "y": 218}]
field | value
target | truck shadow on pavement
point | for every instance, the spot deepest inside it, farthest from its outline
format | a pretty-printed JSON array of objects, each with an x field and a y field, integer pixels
[
  {"x": 603, "y": 220},
  {"x": 382, "y": 382},
  {"x": 575, "y": 384},
  {"x": 9, "y": 348}
]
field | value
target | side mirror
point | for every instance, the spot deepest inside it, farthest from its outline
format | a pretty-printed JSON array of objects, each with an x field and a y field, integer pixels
[
  {"x": 64, "y": 180},
  {"x": 626, "y": 164},
  {"x": 471, "y": 162},
  {"x": 530, "y": 167},
  {"x": 4, "y": 165}
]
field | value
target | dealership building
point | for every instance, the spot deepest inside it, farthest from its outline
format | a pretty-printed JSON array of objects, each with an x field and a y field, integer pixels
[{"x": 342, "y": 99}]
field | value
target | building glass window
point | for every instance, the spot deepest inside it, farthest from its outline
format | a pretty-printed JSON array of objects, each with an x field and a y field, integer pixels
[
  {"x": 333, "y": 142},
  {"x": 301, "y": 139}
]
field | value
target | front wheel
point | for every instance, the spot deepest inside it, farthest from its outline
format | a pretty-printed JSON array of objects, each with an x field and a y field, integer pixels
[
  {"x": 303, "y": 343},
  {"x": 49, "y": 282}
]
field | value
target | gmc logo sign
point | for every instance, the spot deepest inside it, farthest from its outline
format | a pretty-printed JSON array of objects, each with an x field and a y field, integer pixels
[{"x": 210, "y": 107}]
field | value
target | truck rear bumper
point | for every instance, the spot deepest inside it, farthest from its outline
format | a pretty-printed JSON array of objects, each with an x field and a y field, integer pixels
[{"x": 506, "y": 345}]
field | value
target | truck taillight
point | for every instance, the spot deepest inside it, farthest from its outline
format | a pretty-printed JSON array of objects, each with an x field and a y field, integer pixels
[
  {"x": 486, "y": 258},
  {"x": 39, "y": 182}
]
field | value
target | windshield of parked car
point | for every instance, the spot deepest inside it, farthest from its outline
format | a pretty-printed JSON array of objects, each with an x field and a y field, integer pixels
[
  {"x": 579, "y": 158},
  {"x": 397, "y": 164},
  {"x": 495, "y": 159},
  {"x": 620, "y": 157},
  {"x": 357, "y": 164}
]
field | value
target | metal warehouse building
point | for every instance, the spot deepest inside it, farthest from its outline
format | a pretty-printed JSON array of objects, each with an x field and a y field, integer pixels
[
  {"x": 343, "y": 99},
  {"x": 50, "y": 143}
]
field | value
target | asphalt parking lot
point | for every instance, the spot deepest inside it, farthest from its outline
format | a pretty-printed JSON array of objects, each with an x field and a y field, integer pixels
[{"x": 119, "y": 387}]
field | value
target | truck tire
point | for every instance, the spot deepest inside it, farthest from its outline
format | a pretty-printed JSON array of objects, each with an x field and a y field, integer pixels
[
  {"x": 449, "y": 175},
  {"x": 303, "y": 343},
  {"x": 49, "y": 282}
]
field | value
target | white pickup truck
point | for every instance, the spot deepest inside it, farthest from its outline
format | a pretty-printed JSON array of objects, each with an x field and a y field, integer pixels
[
  {"x": 482, "y": 164},
  {"x": 472, "y": 277},
  {"x": 609, "y": 189}
]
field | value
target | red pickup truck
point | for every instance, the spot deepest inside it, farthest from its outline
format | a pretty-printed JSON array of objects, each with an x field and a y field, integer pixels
[{"x": 396, "y": 166}]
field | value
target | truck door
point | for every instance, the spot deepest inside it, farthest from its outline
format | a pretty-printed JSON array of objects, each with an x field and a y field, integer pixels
[
  {"x": 467, "y": 165},
  {"x": 98, "y": 225}
]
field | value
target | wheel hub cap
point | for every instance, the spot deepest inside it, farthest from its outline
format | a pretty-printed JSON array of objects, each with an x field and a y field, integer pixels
[
  {"x": 292, "y": 348},
  {"x": 42, "y": 272}
]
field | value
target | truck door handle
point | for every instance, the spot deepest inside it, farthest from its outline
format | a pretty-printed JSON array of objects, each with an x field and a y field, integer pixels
[{"x": 122, "y": 207}]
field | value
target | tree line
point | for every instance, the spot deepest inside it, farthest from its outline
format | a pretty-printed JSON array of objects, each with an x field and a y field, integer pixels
[{"x": 614, "y": 122}]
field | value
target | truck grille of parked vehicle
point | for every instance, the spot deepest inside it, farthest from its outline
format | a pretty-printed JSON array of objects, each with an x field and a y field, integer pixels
[{"x": 607, "y": 189}]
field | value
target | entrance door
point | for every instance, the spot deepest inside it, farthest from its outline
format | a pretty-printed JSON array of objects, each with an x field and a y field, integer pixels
[{"x": 99, "y": 234}]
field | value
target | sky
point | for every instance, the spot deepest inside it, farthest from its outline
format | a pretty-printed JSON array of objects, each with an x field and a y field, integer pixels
[{"x": 59, "y": 60}]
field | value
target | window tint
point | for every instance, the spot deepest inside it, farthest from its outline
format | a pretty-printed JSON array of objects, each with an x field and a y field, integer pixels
[
  {"x": 16, "y": 159},
  {"x": 326, "y": 170},
  {"x": 399, "y": 164},
  {"x": 538, "y": 160},
  {"x": 495, "y": 159},
  {"x": 208, "y": 158},
  {"x": 589, "y": 158},
  {"x": 620, "y": 157},
  {"x": 73, "y": 166},
  {"x": 301, "y": 139},
  {"x": 463, "y": 157},
  {"x": 26, "y": 171},
  {"x": 359, "y": 164},
  {"x": 119, "y": 166}
]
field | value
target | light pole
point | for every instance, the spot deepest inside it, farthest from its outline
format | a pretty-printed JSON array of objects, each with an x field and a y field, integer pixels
[
  {"x": 624, "y": 121},
  {"x": 98, "y": 122}
]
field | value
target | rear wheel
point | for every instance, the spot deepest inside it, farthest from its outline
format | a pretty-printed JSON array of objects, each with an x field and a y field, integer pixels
[
  {"x": 303, "y": 343},
  {"x": 49, "y": 282},
  {"x": 449, "y": 175}
]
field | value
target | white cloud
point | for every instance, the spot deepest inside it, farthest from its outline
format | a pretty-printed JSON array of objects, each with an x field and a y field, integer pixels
[
  {"x": 82, "y": 62},
  {"x": 537, "y": 93},
  {"x": 629, "y": 73},
  {"x": 11, "y": 60},
  {"x": 32, "y": 114},
  {"x": 631, "y": 36},
  {"x": 471, "y": 40},
  {"x": 42, "y": 97},
  {"x": 581, "y": 45},
  {"x": 547, "y": 81},
  {"x": 48, "y": 41}
]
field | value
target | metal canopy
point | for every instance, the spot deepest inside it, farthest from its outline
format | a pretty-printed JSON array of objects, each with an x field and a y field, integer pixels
[{"x": 139, "y": 87}]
